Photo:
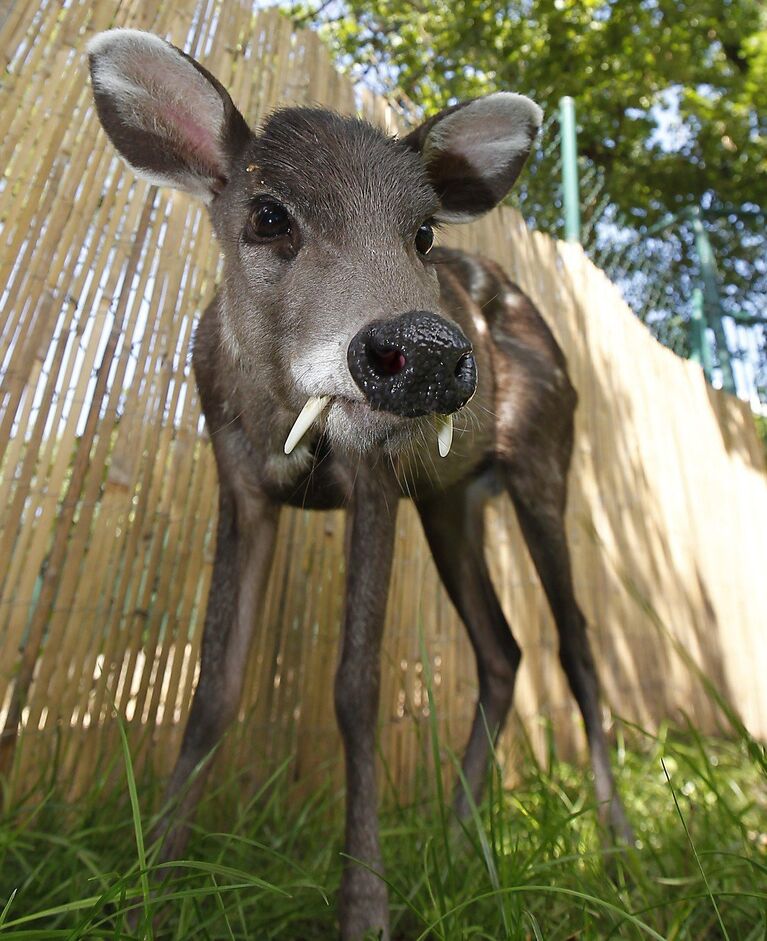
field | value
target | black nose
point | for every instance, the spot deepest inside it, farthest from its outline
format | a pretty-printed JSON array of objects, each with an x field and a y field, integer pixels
[{"x": 413, "y": 365}]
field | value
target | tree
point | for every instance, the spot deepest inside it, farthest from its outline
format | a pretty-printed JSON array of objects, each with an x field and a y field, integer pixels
[
  {"x": 671, "y": 98},
  {"x": 672, "y": 94}
]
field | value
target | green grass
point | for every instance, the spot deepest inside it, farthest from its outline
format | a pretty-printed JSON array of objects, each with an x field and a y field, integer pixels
[{"x": 530, "y": 865}]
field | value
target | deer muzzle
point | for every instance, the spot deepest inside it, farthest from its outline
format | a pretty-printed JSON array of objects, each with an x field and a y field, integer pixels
[{"x": 415, "y": 364}]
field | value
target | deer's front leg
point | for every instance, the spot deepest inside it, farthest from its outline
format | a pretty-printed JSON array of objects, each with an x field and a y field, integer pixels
[
  {"x": 370, "y": 542},
  {"x": 247, "y": 525}
]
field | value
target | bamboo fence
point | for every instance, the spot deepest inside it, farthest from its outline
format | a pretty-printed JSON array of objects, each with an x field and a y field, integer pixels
[{"x": 107, "y": 483}]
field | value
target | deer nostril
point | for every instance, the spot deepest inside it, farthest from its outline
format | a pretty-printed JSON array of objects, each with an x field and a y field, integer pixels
[
  {"x": 386, "y": 360},
  {"x": 464, "y": 368}
]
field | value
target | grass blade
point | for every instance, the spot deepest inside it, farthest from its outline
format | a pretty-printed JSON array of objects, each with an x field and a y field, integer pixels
[
  {"x": 694, "y": 851},
  {"x": 137, "y": 825}
]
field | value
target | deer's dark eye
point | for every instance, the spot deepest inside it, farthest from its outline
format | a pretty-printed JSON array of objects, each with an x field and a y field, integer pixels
[
  {"x": 268, "y": 220},
  {"x": 424, "y": 239}
]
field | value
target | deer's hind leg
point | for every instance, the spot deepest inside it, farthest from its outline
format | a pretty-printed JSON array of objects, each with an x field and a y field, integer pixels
[
  {"x": 454, "y": 526},
  {"x": 535, "y": 469}
]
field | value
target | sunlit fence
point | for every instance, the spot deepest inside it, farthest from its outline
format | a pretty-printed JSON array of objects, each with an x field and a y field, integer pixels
[{"x": 108, "y": 490}]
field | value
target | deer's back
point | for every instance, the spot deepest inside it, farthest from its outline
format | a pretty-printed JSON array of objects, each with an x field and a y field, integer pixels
[{"x": 533, "y": 398}]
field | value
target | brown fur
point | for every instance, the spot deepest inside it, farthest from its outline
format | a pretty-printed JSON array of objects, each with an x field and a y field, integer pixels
[{"x": 277, "y": 332}]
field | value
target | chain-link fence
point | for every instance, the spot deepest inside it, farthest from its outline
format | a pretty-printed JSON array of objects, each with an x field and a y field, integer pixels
[{"x": 697, "y": 278}]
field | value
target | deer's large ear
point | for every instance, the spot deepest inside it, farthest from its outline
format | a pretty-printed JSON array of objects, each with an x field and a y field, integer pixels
[
  {"x": 474, "y": 151},
  {"x": 167, "y": 116}
]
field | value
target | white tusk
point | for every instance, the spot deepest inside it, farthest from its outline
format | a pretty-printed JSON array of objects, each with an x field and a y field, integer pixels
[
  {"x": 444, "y": 434},
  {"x": 312, "y": 410}
]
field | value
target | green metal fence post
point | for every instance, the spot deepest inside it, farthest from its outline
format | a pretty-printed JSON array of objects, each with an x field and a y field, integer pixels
[
  {"x": 712, "y": 305},
  {"x": 700, "y": 351},
  {"x": 571, "y": 197}
]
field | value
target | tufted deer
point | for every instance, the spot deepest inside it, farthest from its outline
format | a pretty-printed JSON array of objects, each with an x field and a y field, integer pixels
[{"x": 331, "y": 364}]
